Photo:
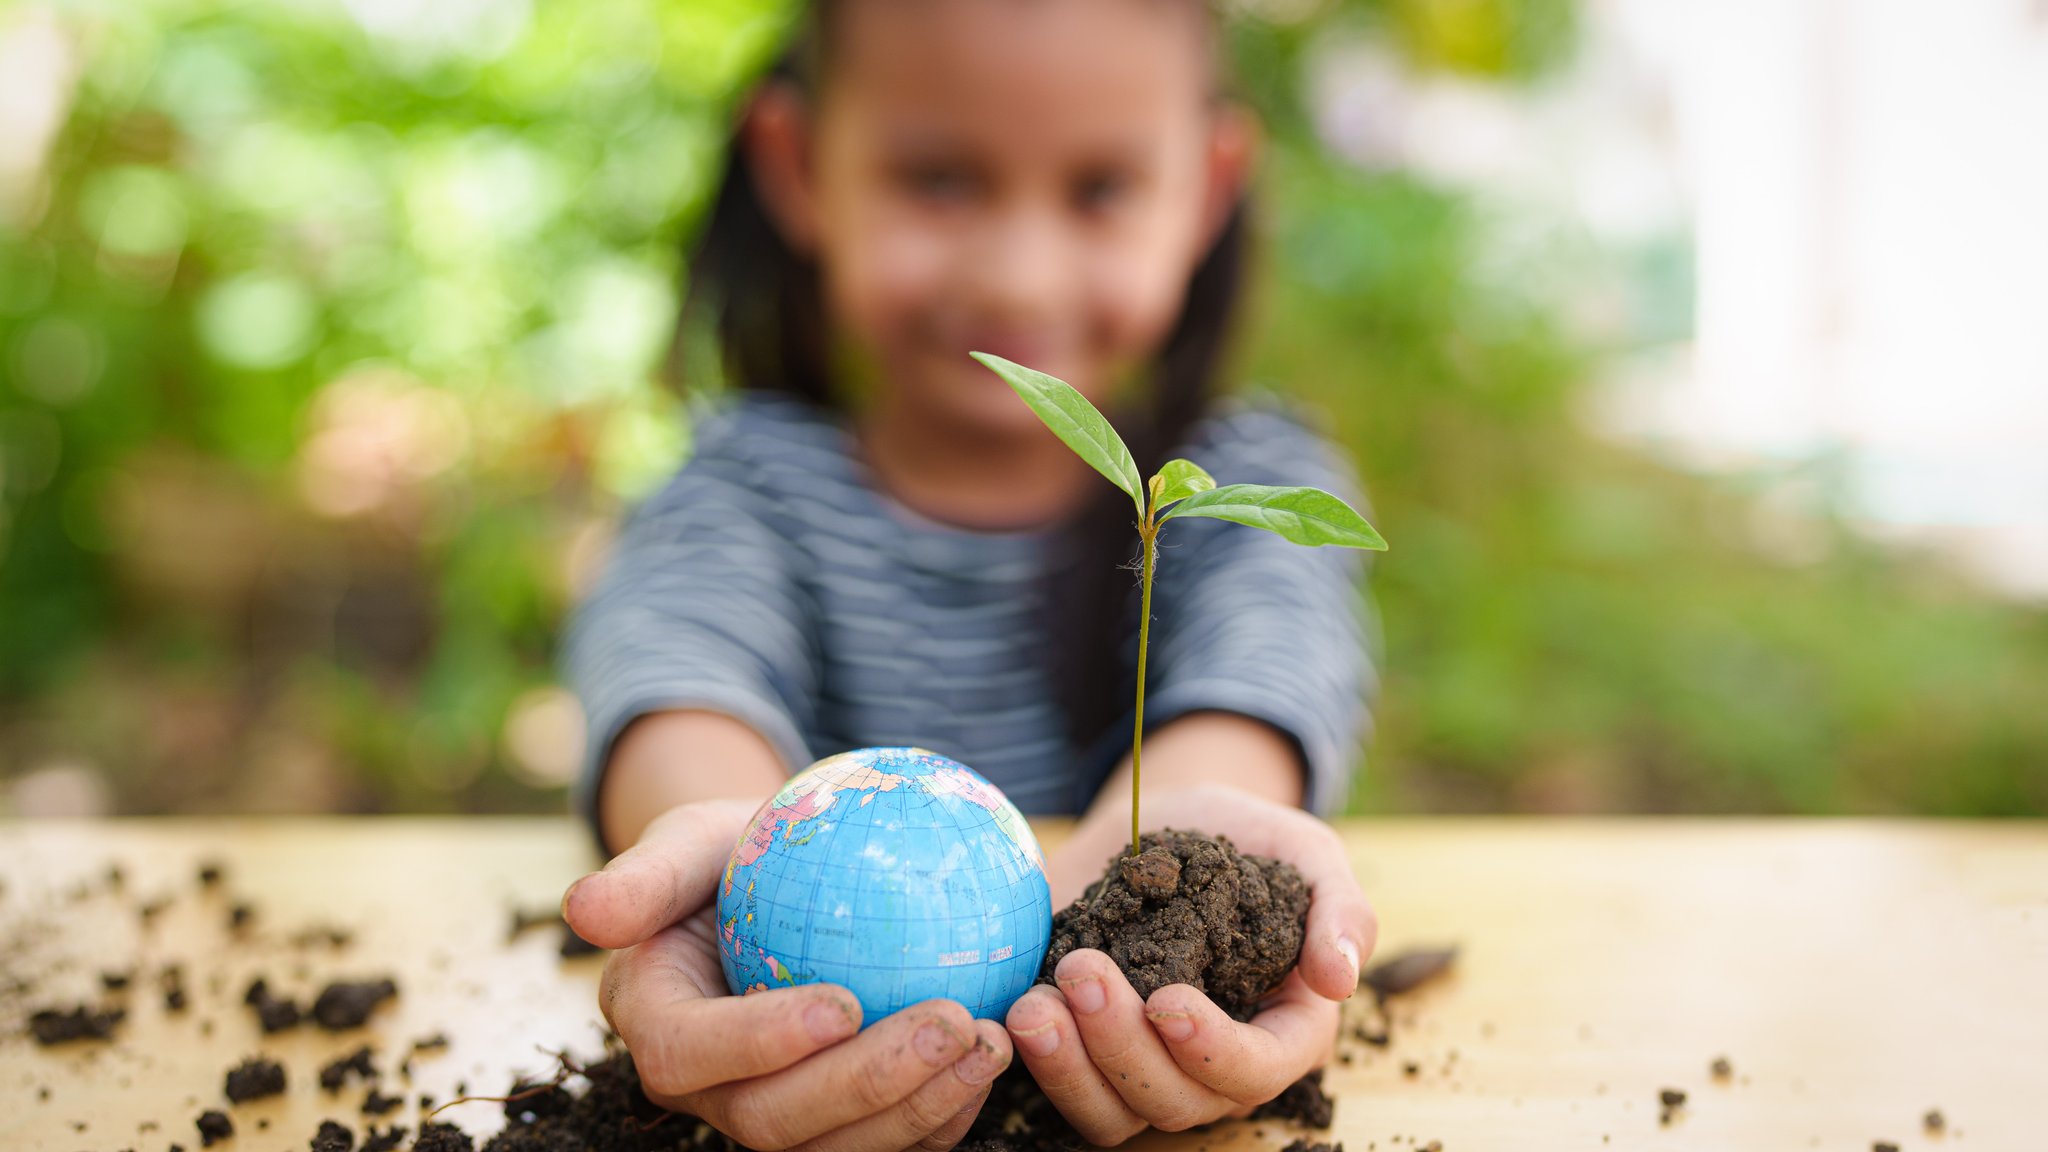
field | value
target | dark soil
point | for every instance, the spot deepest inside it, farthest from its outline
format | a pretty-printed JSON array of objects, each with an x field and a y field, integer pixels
[
  {"x": 255, "y": 1078},
  {"x": 343, "y": 1004},
  {"x": 335, "y": 1074},
  {"x": 61, "y": 1026},
  {"x": 213, "y": 1126},
  {"x": 275, "y": 1013},
  {"x": 1303, "y": 1102},
  {"x": 1304, "y": 1144},
  {"x": 334, "y": 1137},
  {"x": 1190, "y": 909}
]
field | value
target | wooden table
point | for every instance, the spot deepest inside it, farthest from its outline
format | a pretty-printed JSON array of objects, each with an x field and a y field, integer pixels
[{"x": 1856, "y": 973}]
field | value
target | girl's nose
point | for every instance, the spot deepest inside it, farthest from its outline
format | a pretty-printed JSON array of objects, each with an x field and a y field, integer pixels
[{"x": 1024, "y": 269}]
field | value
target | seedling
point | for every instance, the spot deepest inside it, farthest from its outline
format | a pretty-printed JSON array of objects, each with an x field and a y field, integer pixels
[{"x": 1308, "y": 516}]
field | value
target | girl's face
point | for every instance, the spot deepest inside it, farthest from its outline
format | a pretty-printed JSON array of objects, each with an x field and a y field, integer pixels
[{"x": 1033, "y": 178}]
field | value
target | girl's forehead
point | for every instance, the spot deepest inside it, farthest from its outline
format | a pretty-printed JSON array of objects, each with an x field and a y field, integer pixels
[{"x": 1022, "y": 63}]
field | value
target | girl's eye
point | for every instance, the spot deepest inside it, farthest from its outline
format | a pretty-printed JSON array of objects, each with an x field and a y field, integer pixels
[
  {"x": 937, "y": 182},
  {"x": 1101, "y": 191}
]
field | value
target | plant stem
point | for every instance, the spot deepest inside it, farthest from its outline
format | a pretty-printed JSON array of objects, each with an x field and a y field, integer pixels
[{"x": 1149, "y": 533}]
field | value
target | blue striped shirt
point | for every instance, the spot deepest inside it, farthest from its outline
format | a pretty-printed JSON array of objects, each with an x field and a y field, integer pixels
[{"x": 771, "y": 580}]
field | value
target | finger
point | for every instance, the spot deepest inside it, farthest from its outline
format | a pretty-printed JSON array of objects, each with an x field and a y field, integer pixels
[
  {"x": 1248, "y": 1063},
  {"x": 1051, "y": 1048},
  {"x": 955, "y": 1130},
  {"x": 1110, "y": 1017},
  {"x": 944, "y": 1104},
  {"x": 686, "y": 1036},
  {"x": 848, "y": 1082},
  {"x": 671, "y": 872},
  {"x": 1342, "y": 927}
]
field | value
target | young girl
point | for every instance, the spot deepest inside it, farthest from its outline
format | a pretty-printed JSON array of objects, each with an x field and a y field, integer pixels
[{"x": 878, "y": 543}]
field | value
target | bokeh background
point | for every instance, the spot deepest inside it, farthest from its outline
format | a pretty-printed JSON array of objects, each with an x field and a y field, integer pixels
[{"x": 1695, "y": 356}]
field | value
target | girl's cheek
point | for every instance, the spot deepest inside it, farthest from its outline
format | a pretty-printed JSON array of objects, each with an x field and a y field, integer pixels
[{"x": 884, "y": 277}]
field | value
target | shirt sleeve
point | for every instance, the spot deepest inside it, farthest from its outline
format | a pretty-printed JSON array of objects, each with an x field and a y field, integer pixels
[
  {"x": 699, "y": 608},
  {"x": 1247, "y": 622}
]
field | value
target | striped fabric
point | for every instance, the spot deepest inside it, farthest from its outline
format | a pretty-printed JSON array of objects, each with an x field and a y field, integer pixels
[{"x": 771, "y": 580}]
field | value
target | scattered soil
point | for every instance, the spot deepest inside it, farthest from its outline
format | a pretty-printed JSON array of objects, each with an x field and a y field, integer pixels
[
  {"x": 345, "y": 1004},
  {"x": 1191, "y": 909},
  {"x": 61, "y": 1026},
  {"x": 1721, "y": 1068},
  {"x": 1934, "y": 1121},
  {"x": 1303, "y": 1102},
  {"x": 1669, "y": 1101},
  {"x": 213, "y": 1125},
  {"x": 335, "y": 1074},
  {"x": 1303, "y": 1144},
  {"x": 255, "y": 1078},
  {"x": 275, "y": 1013},
  {"x": 442, "y": 1138},
  {"x": 334, "y": 1137}
]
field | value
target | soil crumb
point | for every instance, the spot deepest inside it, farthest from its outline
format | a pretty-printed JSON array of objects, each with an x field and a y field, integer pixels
[
  {"x": 345, "y": 1004},
  {"x": 334, "y": 1137},
  {"x": 1303, "y": 1101},
  {"x": 213, "y": 1125},
  {"x": 336, "y": 1072},
  {"x": 273, "y": 1012},
  {"x": 1199, "y": 913},
  {"x": 61, "y": 1026},
  {"x": 255, "y": 1078}
]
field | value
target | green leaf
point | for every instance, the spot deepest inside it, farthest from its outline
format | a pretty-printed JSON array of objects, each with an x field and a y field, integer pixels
[
  {"x": 1304, "y": 515},
  {"x": 1074, "y": 420},
  {"x": 1178, "y": 480}
]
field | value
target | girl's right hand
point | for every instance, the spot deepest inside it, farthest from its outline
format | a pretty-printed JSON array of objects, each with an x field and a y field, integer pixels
[{"x": 786, "y": 1068}]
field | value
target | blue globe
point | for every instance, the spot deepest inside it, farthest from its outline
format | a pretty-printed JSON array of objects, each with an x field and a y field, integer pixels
[{"x": 898, "y": 873}]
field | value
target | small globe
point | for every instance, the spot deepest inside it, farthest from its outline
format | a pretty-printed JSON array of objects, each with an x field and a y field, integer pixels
[{"x": 898, "y": 873}]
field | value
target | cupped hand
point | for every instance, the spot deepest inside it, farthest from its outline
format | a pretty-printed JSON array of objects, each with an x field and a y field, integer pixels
[
  {"x": 781, "y": 1069},
  {"x": 1115, "y": 1063}
]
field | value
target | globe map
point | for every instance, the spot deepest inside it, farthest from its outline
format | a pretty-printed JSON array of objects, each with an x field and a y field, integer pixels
[{"x": 898, "y": 873}]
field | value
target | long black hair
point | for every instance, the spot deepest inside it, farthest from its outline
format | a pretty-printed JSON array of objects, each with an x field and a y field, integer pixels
[{"x": 766, "y": 307}]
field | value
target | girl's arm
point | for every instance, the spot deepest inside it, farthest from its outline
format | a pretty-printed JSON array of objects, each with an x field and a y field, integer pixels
[
  {"x": 668, "y": 758},
  {"x": 1212, "y": 748}
]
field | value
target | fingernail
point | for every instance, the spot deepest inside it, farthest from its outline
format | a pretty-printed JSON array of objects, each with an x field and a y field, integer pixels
[
  {"x": 1346, "y": 946},
  {"x": 1174, "y": 1026},
  {"x": 980, "y": 1065},
  {"x": 568, "y": 893},
  {"x": 1084, "y": 995},
  {"x": 1043, "y": 1040},
  {"x": 936, "y": 1043},
  {"x": 827, "y": 1021}
]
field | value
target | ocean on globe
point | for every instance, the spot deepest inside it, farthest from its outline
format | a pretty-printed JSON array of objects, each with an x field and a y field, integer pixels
[{"x": 897, "y": 873}]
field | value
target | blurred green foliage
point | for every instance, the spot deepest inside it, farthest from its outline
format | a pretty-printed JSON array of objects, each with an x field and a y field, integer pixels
[{"x": 329, "y": 348}]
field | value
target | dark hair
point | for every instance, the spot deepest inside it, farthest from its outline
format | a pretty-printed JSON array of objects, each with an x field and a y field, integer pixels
[{"x": 770, "y": 323}]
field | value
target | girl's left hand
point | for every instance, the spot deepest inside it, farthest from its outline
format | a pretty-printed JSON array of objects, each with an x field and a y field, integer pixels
[{"x": 1114, "y": 1063}]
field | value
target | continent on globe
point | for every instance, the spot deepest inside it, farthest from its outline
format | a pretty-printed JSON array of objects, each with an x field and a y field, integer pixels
[{"x": 900, "y": 874}]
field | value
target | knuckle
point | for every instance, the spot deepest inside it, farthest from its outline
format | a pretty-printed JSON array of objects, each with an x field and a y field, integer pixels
[
  {"x": 661, "y": 1067},
  {"x": 928, "y": 1109},
  {"x": 872, "y": 1084},
  {"x": 1179, "y": 1116},
  {"x": 753, "y": 1120}
]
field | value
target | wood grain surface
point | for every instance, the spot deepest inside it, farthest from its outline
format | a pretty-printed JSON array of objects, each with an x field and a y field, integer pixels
[{"x": 1855, "y": 974}]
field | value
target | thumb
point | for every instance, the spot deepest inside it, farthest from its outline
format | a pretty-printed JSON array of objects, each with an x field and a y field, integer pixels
[{"x": 670, "y": 873}]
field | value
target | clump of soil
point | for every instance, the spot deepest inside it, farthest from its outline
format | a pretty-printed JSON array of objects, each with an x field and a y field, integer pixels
[
  {"x": 343, "y": 1004},
  {"x": 334, "y": 1137},
  {"x": 1304, "y": 1144},
  {"x": 335, "y": 1074},
  {"x": 275, "y": 1013},
  {"x": 61, "y": 1026},
  {"x": 1303, "y": 1102},
  {"x": 1191, "y": 909},
  {"x": 1408, "y": 971},
  {"x": 254, "y": 1078},
  {"x": 213, "y": 1125}
]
